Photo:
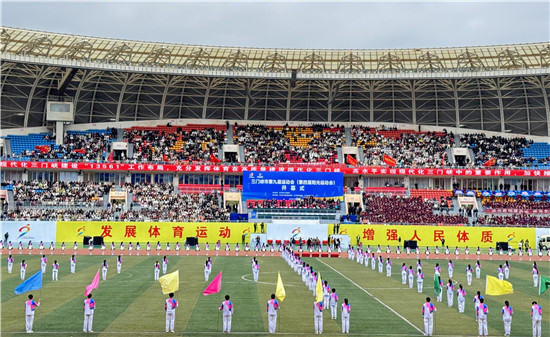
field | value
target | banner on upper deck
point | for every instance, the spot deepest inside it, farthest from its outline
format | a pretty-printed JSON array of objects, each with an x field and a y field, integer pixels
[
  {"x": 431, "y": 236},
  {"x": 143, "y": 232},
  {"x": 292, "y": 185},
  {"x": 26, "y": 231}
]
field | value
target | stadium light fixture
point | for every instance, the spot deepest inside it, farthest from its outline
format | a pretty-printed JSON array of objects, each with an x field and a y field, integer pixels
[{"x": 507, "y": 130}]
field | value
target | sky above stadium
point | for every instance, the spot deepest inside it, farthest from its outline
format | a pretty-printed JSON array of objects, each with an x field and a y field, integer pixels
[{"x": 305, "y": 24}]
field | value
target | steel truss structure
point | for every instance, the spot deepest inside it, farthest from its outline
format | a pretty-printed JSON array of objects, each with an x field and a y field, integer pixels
[{"x": 500, "y": 88}]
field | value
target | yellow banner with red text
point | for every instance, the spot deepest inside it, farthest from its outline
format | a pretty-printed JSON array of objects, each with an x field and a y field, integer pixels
[
  {"x": 143, "y": 232},
  {"x": 433, "y": 235}
]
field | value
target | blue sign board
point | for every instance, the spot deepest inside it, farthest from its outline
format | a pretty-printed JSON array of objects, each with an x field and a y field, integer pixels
[{"x": 292, "y": 185}]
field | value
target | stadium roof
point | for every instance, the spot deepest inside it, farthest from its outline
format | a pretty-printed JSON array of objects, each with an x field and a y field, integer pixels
[{"x": 72, "y": 47}]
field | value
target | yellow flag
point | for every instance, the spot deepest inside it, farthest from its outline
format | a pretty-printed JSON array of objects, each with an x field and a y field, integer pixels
[
  {"x": 170, "y": 282},
  {"x": 494, "y": 286},
  {"x": 280, "y": 290},
  {"x": 319, "y": 289}
]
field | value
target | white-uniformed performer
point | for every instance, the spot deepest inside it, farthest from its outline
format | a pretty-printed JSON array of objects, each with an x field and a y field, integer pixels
[
  {"x": 469, "y": 271},
  {"x": 536, "y": 317},
  {"x": 419, "y": 280},
  {"x": 89, "y": 307},
  {"x": 30, "y": 305},
  {"x": 333, "y": 302},
  {"x": 535, "y": 275},
  {"x": 73, "y": 264},
  {"x": 10, "y": 264},
  {"x": 507, "y": 313},
  {"x": 411, "y": 276},
  {"x": 326, "y": 294},
  {"x": 272, "y": 307},
  {"x": 478, "y": 269},
  {"x": 451, "y": 268},
  {"x": 450, "y": 293},
  {"x": 506, "y": 270},
  {"x": 170, "y": 306},
  {"x": 380, "y": 264},
  {"x": 482, "y": 311},
  {"x": 477, "y": 300},
  {"x": 164, "y": 264},
  {"x": 104, "y": 267},
  {"x": 345, "y": 316},
  {"x": 404, "y": 273},
  {"x": 461, "y": 298},
  {"x": 118, "y": 264},
  {"x": 428, "y": 310},
  {"x": 23, "y": 269},
  {"x": 156, "y": 271},
  {"x": 500, "y": 272},
  {"x": 318, "y": 317},
  {"x": 227, "y": 313},
  {"x": 373, "y": 261},
  {"x": 207, "y": 269},
  {"x": 55, "y": 270},
  {"x": 388, "y": 267},
  {"x": 43, "y": 263}
]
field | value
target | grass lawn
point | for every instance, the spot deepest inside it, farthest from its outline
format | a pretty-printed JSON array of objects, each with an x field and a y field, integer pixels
[{"x": 132, "y": 304}]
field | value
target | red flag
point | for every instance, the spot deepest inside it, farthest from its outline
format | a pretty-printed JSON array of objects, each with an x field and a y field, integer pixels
[
  {"x": 490, "y": 162},
  {"x": 214, "y": 159},
  {"x": 110, "y": 159},
  {"x": 351, "y": 160},
  {"x": 82, "y": 151},
  {"x": 93, "y": 285},
  {"x": 214, "y": 287},
  {"x": 389, "y": 161},
  {"x": 43, "y": 148},
  {"x": 164, "y": 157},
  {"x": 443, "y": 160}
]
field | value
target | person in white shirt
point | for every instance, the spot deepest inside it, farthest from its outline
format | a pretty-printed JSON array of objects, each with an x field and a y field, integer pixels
[
  {"x": 29, "y": 312},
  {"x": 23, "y": 269},
  {"x": 388, "y": 267},
  {"x": 345, "y": 316},
  {"x": 164, "y": 264},
  {"x": 227, "y": 313},
  {"x": 507, "y": 313},
  {"x": 506, "y": 270},
  {"x": 207, "y": 270},
  {"x": 55, "y": 270},
  {"x": 419, "y": 280},
  {"x": 461, "y": 298},
  {"x": 451, "y": 268},
  {"x": 118, "y": 264},
  {"x": 333, "y": 304},
  {"x": 272, "y": 308},
  {"x": 318, "y": 317},
  {"x": 482, "y": 311},
  {"x": 170, "y": 306},
  {"x": 536, "y": 317},
  {"x": 89, "y": 307},
  {"x": 469, "y": 275},
  {"x": 450, "y": 293},
  {"x": 73, "y": 264},
  {"x": 428, "y": 310},
  {"x": 535, "y": 275},
  {"x": 411, "y": 277},
  {"x": 104, "y": 268},
  {"x": 43, "y": 262},
  {"x": 156, "y": 271},
  {"x": 404, "y": 274}
]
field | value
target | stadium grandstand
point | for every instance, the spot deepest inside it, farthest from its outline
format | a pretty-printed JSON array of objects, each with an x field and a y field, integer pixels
[{"x": 105, "y": 129}]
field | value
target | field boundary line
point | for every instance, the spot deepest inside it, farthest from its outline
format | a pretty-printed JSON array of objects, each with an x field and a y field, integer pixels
[{"x": 378, "y": 300}]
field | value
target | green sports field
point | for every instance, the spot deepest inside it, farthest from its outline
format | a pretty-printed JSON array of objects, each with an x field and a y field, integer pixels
[{"x": 131, "y": 303}]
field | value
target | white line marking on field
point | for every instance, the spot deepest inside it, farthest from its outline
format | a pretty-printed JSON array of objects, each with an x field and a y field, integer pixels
[
  {"x": 138, "y": 333},
  {"x": 366, "y": 292},
  {"x": 270, "y": 283}
]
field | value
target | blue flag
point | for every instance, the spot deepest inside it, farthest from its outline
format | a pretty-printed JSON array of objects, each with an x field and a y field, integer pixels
[{"x": 33, "y": 283}]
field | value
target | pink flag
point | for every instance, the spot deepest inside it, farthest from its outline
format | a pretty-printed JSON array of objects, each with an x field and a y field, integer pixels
[
  {"x": 215, "y": 286},
  {"x": 92, "y": 285}
]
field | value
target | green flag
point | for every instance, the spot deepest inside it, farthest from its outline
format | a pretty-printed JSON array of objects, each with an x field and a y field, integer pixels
[
  {"x": 544, "y": 284},
  {"x": 437, "y": 286}
]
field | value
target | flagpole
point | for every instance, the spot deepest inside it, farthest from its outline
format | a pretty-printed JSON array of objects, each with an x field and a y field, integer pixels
[{"x": 218, "y": 320}]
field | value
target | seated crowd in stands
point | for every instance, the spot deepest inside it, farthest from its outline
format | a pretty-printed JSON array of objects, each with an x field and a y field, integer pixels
[
  {"x": 73, "y": 201},
  {"x": 515, "y": 220},
  {"x": 511, "y": 203},
  {"x": 264, "y": 144},
  {"x": 403, "y": 210},
  {"x": 43, "y": 193},
  {"x": 290, "y": 144}
]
